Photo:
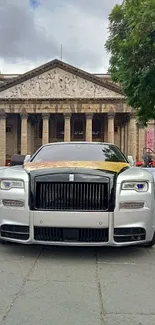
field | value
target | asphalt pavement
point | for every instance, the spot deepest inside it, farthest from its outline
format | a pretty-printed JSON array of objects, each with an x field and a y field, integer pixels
[{"x": 76, "y": 286}]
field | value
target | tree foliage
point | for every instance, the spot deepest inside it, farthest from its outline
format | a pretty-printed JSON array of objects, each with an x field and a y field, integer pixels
[{"x": 131, "y": 43}]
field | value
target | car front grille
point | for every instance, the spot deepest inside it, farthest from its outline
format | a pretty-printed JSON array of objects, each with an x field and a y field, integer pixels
[
  {"x": 14, "y": 232},
  {"x": 72, "y": 196},
  {"x": 53, "y": 234},
  {"x": 122, "y": 235}
]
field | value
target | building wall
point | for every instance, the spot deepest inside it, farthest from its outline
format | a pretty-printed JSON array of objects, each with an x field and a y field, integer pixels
[
  {"x": 56, "y": 125},
  {"x": 49, "y": 107}
]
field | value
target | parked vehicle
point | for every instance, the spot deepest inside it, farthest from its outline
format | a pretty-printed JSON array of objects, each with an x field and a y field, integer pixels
[{"x": 77, "y": 194}]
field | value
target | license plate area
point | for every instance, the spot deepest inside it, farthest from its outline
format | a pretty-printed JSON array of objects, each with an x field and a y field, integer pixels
[{"x": 70, "y": 235}]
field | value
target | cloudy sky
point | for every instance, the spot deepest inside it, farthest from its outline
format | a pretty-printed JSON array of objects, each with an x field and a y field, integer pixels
[{"x": 32, "y": 31}]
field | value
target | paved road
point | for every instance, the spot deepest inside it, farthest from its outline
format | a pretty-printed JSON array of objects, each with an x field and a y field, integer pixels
[{"x": 76, "y": 286}]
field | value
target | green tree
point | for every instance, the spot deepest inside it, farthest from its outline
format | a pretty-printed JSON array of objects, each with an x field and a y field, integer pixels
[{"x": 131, "y": 43}]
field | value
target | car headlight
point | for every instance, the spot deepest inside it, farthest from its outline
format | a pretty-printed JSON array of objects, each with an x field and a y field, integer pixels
[
  {"x": 136, "y": 186},
  {"x": 7, "y": 184}
]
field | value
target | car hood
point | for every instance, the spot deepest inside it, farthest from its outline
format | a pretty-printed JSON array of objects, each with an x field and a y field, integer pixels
[{"x": 106, "y": 165}]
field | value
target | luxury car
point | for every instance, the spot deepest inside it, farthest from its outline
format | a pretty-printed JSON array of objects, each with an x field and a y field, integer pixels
[{"x": 78, "y": 194}]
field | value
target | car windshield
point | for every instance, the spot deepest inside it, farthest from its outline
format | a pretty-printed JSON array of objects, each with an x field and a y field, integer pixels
[{"x": 79, "y": 152}]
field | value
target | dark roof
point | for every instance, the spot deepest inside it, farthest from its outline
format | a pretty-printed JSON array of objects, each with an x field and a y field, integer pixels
[{"x": 64, "y": 66}]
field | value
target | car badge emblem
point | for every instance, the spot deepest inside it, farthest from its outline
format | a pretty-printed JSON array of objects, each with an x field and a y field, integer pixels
[{"x": 71, "y": 177}]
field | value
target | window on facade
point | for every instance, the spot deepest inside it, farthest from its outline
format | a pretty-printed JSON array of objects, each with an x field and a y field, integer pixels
[
  {"x": 96, "y": 128},
  {"x": 78, "y": 128},
  {"x": 60, "y": 127}
]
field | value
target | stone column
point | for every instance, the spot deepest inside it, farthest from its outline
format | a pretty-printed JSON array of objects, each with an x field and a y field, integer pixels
[
  {"x": 141, "y": 144},
  {"x": 2, "y": 138},
  {"x": 89, "y": 123},
  {"x": 126, "y": 139},
  {"x": 32, "y": 139},
  {"x": 33, "y": 133},
  {"x": 111, "y": 131},
  {"x": 24, "y": 134},
  {"x": 119, "y": 137},
  {"x": 67, "y": 127},
  {"x": 29, "y": 140},
  {"x": 45, "y": 128},
  {"x": 132, "y": 134},
  {"x": 51, "y": 129},
  {"x": 123, "y": 138},
  {"x": 105, "y": 129},
  {"x": 128, "y": 135}
]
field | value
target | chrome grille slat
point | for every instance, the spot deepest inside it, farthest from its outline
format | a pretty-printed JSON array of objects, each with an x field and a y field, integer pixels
[{"x": 72, "y": 196}]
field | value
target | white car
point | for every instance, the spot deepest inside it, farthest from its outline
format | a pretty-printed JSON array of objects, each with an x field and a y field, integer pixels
[{"x": 77, "y": 194}]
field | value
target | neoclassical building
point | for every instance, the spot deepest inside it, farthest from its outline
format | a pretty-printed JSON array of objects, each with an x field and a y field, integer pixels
[{"x": 59, "y": 102}]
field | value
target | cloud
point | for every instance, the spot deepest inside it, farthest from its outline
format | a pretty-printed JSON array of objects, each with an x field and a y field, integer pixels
[
  {"x": 98, "y": 8},
  {"x": 34, "y": 3},
  {"x": 20, "y": 35},
  {"x": 32, "y": 31}
]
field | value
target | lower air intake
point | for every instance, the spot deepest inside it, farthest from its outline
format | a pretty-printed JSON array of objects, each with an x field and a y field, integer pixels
[
  {"x": 14, "y": 232},
  {"x": 80, "y": 235},
  {"x": 122, "y": 235}
]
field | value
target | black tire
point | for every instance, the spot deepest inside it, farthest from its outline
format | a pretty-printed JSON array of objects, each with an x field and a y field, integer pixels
[
  {"x": 4, "y": 242},
  {"x": 151, "y": 243}
]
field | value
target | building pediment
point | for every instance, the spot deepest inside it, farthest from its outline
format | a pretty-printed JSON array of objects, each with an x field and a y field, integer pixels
[{"x": 59, "y": 80}]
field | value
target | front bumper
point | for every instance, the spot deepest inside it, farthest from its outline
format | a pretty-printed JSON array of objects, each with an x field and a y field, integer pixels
[{"x": 120, "y": 227}]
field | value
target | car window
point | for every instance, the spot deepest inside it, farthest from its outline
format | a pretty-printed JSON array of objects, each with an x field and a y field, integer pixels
[{"x": 79, "y": 152}]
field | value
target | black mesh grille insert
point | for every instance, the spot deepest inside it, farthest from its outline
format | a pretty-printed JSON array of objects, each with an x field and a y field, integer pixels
[
  {"x": 14, "y": 232},
  {"x": 72, "y": 196},
  {"x": 70, "y": 234},
  {"x": 129, "y": 234}
]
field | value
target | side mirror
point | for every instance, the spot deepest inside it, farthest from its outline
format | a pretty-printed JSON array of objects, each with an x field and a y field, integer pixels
[
  {"x": 17, "y": 160},
  {"x": 27, "y": 158},
  {"x": 131, "y": 161}
]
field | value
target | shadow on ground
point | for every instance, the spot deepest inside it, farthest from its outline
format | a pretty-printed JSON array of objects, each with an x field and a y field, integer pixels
[{"x": 77, "y": 253}]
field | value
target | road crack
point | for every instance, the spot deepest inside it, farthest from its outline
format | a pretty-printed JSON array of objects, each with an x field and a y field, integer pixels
[
  {"x": 16, "y": 296},
  {"x": 102, "y": 312}
]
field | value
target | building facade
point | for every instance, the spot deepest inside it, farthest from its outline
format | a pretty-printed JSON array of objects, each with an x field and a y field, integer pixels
[{"x": 58, "y": 102}]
